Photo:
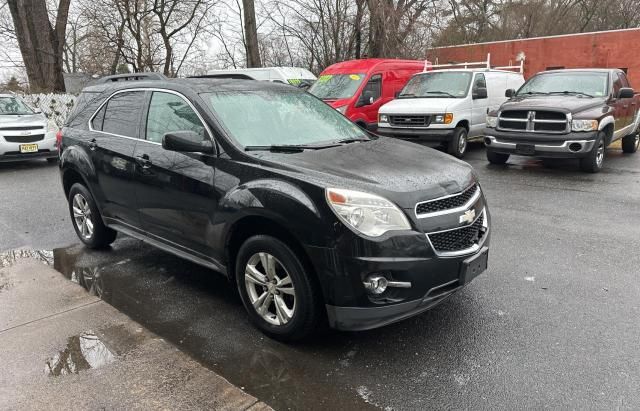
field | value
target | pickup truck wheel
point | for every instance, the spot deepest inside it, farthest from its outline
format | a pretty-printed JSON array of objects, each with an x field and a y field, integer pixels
[
  {"x": 277, "y": 290},
  {"x": 593, "y": 162},
  {"x": 630, "y": 143},
  {"x": 87, "y": 220},
  {"x": 458, "y": 144},
  {"x": 496, "y": 158}
]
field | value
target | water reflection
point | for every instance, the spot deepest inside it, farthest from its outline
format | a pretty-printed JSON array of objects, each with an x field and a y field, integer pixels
[{"x": 83, "y": 352}]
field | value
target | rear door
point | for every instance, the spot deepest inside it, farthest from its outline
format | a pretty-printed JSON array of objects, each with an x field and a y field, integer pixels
[
  {"x": 114, "y": 134},
  {"x": 175, "y": 191}
]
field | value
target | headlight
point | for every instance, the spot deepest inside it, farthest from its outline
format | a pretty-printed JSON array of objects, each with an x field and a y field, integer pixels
[
  {"x": 342, "y": 109},
  {"x": 366, "y": 213},
  {"x": 383, "y": 118},
  {"x": 584, "y": 125},
  {"x": 445, "y": 118},
  {"x": 492, "y": 121}
]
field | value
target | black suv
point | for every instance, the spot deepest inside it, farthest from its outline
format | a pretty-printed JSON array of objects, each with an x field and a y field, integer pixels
[{"x": 311, "y": 217}]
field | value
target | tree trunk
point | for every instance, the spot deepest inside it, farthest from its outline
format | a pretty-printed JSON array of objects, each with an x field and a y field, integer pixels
[
  {"x": 251, "y": 34},
  {"x": 40, "y": 44}
]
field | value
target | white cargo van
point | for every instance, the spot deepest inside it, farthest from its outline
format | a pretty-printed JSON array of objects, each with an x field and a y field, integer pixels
[
  {"x": 448, "y": 106},
  {"x": 295, "y": 76}
]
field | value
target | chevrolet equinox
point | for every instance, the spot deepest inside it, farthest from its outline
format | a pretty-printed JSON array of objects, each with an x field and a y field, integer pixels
[{"x": 312, "y": 218}]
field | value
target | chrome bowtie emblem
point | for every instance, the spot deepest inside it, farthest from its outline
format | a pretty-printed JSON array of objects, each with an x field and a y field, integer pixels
[{"x": 468, "y": 216}]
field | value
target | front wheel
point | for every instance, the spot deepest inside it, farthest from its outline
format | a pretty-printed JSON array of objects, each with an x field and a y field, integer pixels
[
  {"x": 87, "y": 220},
  {"x": 630, "y": 143},
  {"x": 277, "y": 289},
  {"x": 593, "y": 162},
  {"x": 458, "y": 144},
  {"x": 496, "y": 158}
]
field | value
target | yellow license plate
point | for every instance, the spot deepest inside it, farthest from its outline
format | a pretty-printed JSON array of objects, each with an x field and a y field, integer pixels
[{"x": 28, "y": 148}]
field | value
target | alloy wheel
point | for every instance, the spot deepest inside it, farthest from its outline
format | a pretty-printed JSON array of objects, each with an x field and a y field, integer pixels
[
  {"x": 82, "y": 216},
  {"x": 270, "y": 289},
  {"x": 600, "y": 154},
  {"x": 462, "y": 143}
]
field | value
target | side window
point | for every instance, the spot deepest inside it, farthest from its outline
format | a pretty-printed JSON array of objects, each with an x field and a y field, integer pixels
[
  {"x": 623, "y": 80},
  {"x": 480, "y": 81},
  {"x": 122, "y": 114},
  {"x": 96, "y": 124},
  {"x": 169, "y": 112},
  {"x": 374, "y": 86},
  {"x": 617, "y": 85}
]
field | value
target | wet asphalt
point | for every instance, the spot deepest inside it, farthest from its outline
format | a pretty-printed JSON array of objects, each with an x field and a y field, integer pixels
[{"x": 553, "y": 323}]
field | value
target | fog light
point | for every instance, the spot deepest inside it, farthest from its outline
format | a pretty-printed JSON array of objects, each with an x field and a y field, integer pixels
[
  {"x": 377, "y": 284},
  {"x": 487, "y": 141},
  {"x": 575, "y": 147}
]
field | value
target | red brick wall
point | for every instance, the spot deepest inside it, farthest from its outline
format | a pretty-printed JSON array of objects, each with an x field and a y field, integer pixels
[{"x": 612, "y": 49}]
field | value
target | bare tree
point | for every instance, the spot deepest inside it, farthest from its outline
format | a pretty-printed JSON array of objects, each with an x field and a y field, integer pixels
[
  {"x": 40, "y": 43},
  {"x": 251, "y": 33}
]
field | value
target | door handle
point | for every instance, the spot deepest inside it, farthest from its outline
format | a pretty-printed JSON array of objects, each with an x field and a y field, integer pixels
[
  {"x": 93, "y": 144},
  {"x": 144, "y": 161},
  {"x": 625, "y": 106}
]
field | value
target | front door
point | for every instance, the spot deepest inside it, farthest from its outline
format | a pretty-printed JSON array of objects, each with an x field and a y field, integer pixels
[
  {"x": 175, "y": 191},
  {"x": 478, "y": 107},
  {"x": 369, "y": 109},
  {"x": 113, "y": 136}
]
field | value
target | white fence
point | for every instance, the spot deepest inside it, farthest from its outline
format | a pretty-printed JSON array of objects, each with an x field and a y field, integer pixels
[{"x": 55, "y": 106}]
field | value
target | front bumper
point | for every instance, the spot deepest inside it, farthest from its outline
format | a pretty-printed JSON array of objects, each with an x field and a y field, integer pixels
[
  {"x": 433, "y": 134},
  {"x": 10, "y": 151},
  {"x": 571, "y": 145},
  {"x": 365, "y": 318}
]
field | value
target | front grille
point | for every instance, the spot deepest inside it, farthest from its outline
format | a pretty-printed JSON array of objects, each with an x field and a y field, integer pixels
[
  {"x": 410, "y": 121},
  {"x": 22, "y": 128},
  {"x": 454, "y": 201},
  {"x": 543, "y": 121},
  {"x": 24, "y": 139},
  {"x": 460, "y": 238}
]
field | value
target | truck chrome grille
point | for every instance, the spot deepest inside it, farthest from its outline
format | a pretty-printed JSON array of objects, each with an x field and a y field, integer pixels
[
  {"x": 409, "y": 121},
  {"x": 543, "y": 121},
  {"x": 459, "y": 239},
  {"x": 446, "y": 203},
  {"x": 24, "y": 139}
]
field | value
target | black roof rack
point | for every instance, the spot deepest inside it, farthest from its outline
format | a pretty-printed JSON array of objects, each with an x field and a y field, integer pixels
[
  {"x": 132, "y": 77},
  {"x": 236, "y": 76}
]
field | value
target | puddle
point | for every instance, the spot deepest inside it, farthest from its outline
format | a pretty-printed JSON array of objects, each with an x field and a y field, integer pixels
[
  {"x": 83, "y": 352},
  {"x": 9, "y": 258}
]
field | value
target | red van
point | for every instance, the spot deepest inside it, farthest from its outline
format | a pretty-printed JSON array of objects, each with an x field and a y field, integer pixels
[{"x": 358, "y": 88}]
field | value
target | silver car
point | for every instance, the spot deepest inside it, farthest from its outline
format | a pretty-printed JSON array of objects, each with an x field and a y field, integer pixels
[{"x": 24, "y": 132}]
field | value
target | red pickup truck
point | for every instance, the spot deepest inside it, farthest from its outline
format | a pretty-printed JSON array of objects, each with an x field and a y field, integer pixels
[{"x": 572, "y": 113}]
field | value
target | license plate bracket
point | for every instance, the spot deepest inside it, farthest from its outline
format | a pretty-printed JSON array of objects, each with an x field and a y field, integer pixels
[
  {"x": 526, "y": 149},
  {"x": 28, "y": 148},
  {"x": 474, "y": 266}
]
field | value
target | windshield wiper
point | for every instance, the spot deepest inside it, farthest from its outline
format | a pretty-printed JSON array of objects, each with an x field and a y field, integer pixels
[
  {"x": 577, "y": 93},
  {"x": 352, "y": 140},
  {"x": 406, "y": 95},
  {"x": 532, "y": 93},
  {"x": 441, "y": 92},
  {"x": 288, "y": 148}
]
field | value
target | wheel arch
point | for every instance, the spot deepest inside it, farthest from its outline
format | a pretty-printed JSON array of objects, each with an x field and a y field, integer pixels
[{"x": 463, "y": 123}]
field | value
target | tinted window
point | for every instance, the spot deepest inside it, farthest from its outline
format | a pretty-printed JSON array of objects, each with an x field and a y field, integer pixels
[
  {"x": 169, "y": 112},
  {"x": 98, "y": 119},
  {"x": 480, "y": 82},
  {"x": 617, "y": 84},
  {"x": 374, "y": 86},
  {"x": 123, "y": 113},
  {"x": 623, "y": 80}
]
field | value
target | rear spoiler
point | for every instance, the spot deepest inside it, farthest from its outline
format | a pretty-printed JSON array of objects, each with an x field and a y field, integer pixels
[{"x": 131, "y": 77}]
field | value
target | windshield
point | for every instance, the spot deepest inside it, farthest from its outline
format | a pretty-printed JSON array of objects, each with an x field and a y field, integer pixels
[
  {"x": 13, "y": 106},
  {"x": 336, "y": 86},
  {"x": 268, "y": 117},
  {"x": 592, "y": 84},
  {"x": 438, "y": 84}
]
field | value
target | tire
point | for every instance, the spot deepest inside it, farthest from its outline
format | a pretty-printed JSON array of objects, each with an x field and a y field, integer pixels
[
  {"x": 496, "y": 158},
  {"x": 458, "y": 143},
  {"x": 52, "y": 160},
  {"x": 593, "y": 162},
  {"x": 630, "y": 143},
  {"x": 93, "y": 233},
  {"x": 302, "y": 300}
]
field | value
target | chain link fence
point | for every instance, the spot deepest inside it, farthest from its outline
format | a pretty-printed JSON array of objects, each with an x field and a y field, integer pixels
[{"x": 55, "y": 106}]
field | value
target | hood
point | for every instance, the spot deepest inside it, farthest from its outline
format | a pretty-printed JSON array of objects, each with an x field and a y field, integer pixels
[
  {"x": 567, "y": 104},
  {"x": 420, "y": 105},
  {"x": 337, "y": 103},
  {"x": 400, "y": 171},
  {"x": 22, "y": 120}
]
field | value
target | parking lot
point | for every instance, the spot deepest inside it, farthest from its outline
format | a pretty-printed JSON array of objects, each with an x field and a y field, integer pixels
[{"x": 552, "y": 323}]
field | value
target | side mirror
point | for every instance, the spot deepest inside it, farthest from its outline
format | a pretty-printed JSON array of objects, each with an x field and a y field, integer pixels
[
  {"x": 366, "y": 98},
  {"x": 626, "y": 92},
  {"x": 187, "y": 142},
  {"x": 509, "y": 93},
  {"x": 479, "y": 93}
]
